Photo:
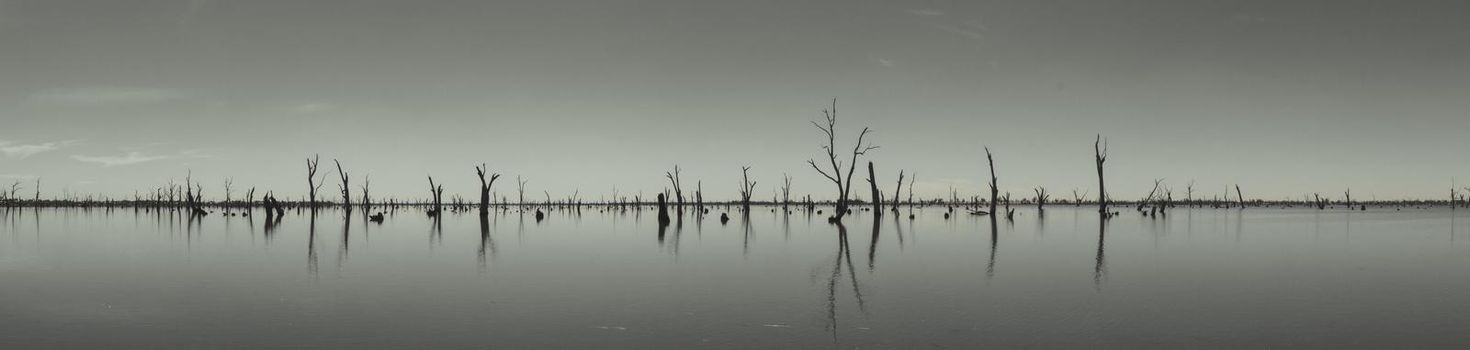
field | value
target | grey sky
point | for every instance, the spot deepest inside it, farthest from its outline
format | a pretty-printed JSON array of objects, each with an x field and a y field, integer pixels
[{"x": 1285, "y": 98}]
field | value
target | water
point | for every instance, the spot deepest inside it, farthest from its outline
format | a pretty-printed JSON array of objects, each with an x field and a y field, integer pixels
[{"x": 1212, "y": 278}]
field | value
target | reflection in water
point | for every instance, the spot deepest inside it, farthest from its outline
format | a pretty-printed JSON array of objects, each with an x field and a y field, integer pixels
[
  {"x": 745, "y": 225},
  {"x": 1100, "y": 268},
  {"x": 844, "y": 255},
  {"x": 342, "y": 251},
  {"x": 485, "y": 240},
  {"x": 311, "y": 245},
  {"x": 994, "y": 243},
  {"x": 873, "y": 243}
]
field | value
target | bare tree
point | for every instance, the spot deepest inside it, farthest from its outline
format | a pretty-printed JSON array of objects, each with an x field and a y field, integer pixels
[
  {"x": 521, "y": 188},
  {"x": 1348, "y": 198},
  {"x": 1100, "y": 154},
  {"x": 228, "y": 183},
  {"x": 438, "y": 194},
  {"x": 367, "y": 202},
  {"x": 1189, "y": 193},
  {"x": 786, "y": 189},
  {"x": 994, "y": 191},
  {"x": 911, "y": 188},
  {"x": 38, "y": 189},
  {"x": 344, "y": 186},
  {"x": 1239, "y": 197},
  {"x": 250, "y": 196},
  {"x": 674, "y": 180},
  {"x": 746, "y": 186},
  {"x": 312, "y": 182},
  {"x": 898, "y": 190},
  {"x": 1040, "y": 197},
  {"x": 844, "y": 184},
  {"x": 485, "y": 187},
  {"x": 873, "y": 186}
]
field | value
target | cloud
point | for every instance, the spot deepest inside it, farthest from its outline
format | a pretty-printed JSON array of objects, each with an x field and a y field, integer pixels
[
  {"x": 135, "y": 157},
  {"x": 313, "y": 108},
  {"x": 105, "y": 95},
  {"x": 925, "y": 12},
  {"x": 22, "y": 151},
  {"x": 127, "y": 159}
]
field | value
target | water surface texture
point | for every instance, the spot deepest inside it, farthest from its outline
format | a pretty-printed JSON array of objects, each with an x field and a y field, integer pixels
[{"x": 1216, "y": 278}]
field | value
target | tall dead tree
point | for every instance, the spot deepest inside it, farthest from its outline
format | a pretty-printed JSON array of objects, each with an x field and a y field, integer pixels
[
  {"x": 873, "y": 186},
  {"x": 367, "y": 202},
  {"x": 994, "y": 190},
  {"x": 520, "y": 188},
  {"x": 344, "y": 186},
  {"x": 746, "y": 187},
  {"x": 229, "y": 182},
  {"x": 674, "y": 180},
  {"x": 312, "y": 182},
  {"x": 1040, "y": 197},
  {"x": 911, "y": 188},
  {"x": 898, "y": 190},
  {"x": 786, "y": 189},
  {"x": 1189, "y": 193},
  {"x": 1239, "y": 197},
  {"x": 250, "y": 196},
  {"x": 485, "y": 187},
  {"x": 844, "y": 184},
  {"x": 437, "y": 191},
  {"x": 1100, "y": 154},
  {"x": 1348, "y": 198}
]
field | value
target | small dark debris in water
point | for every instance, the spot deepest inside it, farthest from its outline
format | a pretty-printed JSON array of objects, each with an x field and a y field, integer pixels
[
  {"x": 539, "y": 215},
  {"x": 724, "y": 218}
]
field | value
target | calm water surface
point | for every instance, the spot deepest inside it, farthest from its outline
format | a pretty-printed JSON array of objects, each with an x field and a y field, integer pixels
[{"x": 1295, "y": 278}]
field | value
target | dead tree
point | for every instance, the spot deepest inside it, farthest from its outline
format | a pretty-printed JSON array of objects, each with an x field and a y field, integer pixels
[
  {"x": 1189, "y": 193},
  {"x": 746, "y": 187},
  {"x": 250, "y": 196},
  {"x": 898, "y": 190},
  {"x": 312, "y": 182},
  {"x": 1040, "y": 198},
  {"x": 994, "y": 191},
  {"x": 521, "y": 188},
  {"x": 911, "y": 188},
  {"x": 485, "y": 187},
  {"x": 228, "y": 183},
  {"x": 844, "y": 184},
  {"x": 873, "y": 186},
  {"x": 1239, "y": 197},
  {"x": 786, "y": 190},
  {"x": 38, "y": 189},
  {"x": 1077, "y": 198},
  {"x": 1100, "y": 154},
  {"x": 344, "y": 186},
  {"x": 367, "y": 202},
  {"x": 674, "y": 180},
  {"x": 438, "y": 194},
  {"x": 663, "y": 211},
  {"x": 699, "y": 193},
  {"x": 1348, "y": 198}
]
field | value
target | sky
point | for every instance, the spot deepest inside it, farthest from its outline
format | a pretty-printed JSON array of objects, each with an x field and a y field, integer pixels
[{"x": 1284, "y": 98}]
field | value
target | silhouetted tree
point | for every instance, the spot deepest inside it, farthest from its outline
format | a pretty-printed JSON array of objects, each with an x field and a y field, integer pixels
[
  {"x": 437, "y": 191},
  {"x": 746, "y": 187},
  {"x": 344, "y": 186},
  {"x": 520, "y": 188},
  {"x": 1100, "y": 154},
  {"x": 898, "y": 190},
  {"x": 312, "y": 182},
  {"x": 994, "y": 190},
  {"x": 1040, "y": 198},
  {"x": 786, "y": 190},
  {"x": 229, "y": 182},
  {"x": 674, "y": 180},
  {"x": 1239, "y": 197},
  {"x": 485, "y": 187},
  {"x": 844, "y": 184},
  {"x": 873, "y": 187}
]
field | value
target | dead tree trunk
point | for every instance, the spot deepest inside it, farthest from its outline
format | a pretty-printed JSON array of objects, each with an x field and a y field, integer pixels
[
  {"x": 674, "y": 180},
  {"x": 520, "y": 188},
  {"x": 844, "y": 184},
  {"x": 485, "y": 187},
  {"x": 1040, "y": 198},
  {"x": 437, "y": 192},
  {"x": 312, "y": 183},
  {"x": 746, "y": 187},
  {"x": 663, "y": 211},
  {"x": 786, "y": 190},
  {"x": 994, "y": 191},
  {"x": 367, "y": 203},
  {"x": 873, "y": 191},
  {"x": 345, "y": 186},
  {"x": 1239, "y": 197},
  {"x": 898, "y": 190},
  {"x": 1100, "y": 154}
]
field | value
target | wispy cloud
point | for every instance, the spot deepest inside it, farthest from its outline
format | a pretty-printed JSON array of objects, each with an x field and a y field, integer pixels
[
  {"x": 23, "y": 151},
  {"x": 135, "y": 157},
  {"x": 127, "y": 159},
  {"x": 105, "y": 95},
  {"x": 313, "y": 108},
  {"x": 925, "y": 12}
]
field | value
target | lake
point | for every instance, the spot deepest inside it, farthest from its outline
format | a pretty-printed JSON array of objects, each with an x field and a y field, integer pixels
[{"x": 596, "y": 279}]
